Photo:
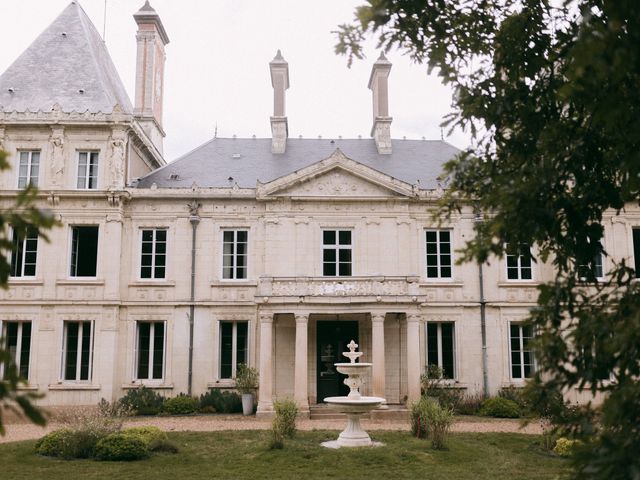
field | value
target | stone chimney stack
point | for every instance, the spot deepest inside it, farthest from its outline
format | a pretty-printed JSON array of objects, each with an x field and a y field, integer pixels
[
  {"x": 280, "y": 81},
  {"x": 379, "y": 86},
  {"x": 151, "y": 39}
]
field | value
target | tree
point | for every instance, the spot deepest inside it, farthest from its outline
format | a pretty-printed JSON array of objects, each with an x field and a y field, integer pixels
[
  {"x": 550, "y": 92},
  {"x": 22, "y": 216}
]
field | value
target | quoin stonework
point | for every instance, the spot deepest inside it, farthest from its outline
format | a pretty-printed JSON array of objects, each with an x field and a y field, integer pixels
[{"x": 273, "y": 252}]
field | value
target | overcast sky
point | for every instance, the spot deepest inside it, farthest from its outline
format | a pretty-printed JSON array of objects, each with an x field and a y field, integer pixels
[{"x": 217, "y": 68}]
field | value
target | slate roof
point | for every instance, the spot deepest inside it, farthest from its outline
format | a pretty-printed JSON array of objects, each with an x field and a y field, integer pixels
[
  {"x": 67, "y": 57},
  {"x": 248, "y": 160}
]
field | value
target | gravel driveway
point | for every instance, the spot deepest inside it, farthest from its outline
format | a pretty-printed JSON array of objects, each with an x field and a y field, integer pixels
[{"x": 17, "y": 429}]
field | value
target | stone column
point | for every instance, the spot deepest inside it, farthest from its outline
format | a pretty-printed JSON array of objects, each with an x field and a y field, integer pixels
[
  {"x": 377, "y": 355},
  {"x": 265, "y": 396},
  {"x": 301, "y": 392},
  {"x": 413, "y": 357}
]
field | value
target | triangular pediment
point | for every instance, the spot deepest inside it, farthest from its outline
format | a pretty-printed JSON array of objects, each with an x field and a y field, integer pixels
[{"x": 336, "y": 177}]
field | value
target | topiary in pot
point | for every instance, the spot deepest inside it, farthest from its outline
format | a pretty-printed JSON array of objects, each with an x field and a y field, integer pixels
[{"x": 246, "y": 384}]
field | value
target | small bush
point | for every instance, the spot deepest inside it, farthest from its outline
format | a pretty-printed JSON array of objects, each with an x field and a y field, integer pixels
[
  {"x": 180, "y": 405},
  {"x": 53, "y": 443},
  {"x": 284, "y": 423},
  {"x": 118, "y": 446},
  {"x": 469, "y": 404},
  {"x": 565, "y": 447},
  {"x": 113, "y": 409},
  {"x": 500, "y": 408},
  {"x": 516, "y": 395},
  {"x": 142, "y": 401},
  {"x": 430, "y": 420},
  {"x": 147, "y": 434},
  {"x": 220, "y": 401}
]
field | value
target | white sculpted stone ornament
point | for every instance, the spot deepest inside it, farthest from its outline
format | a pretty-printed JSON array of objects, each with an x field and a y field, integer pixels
[{"x": 355, "y": 404}]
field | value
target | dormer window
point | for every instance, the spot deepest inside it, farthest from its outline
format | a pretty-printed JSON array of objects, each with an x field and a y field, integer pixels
[{"x": 87, "y": 170}]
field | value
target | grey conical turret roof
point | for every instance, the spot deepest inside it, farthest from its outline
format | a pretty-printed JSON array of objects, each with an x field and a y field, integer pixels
[{"x": 66, "y": 67}]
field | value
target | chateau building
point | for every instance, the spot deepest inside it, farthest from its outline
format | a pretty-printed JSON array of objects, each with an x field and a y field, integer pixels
[{"x": 272, "y": 252}]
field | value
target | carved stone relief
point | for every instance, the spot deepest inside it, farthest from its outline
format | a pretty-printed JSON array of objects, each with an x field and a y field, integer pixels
[
  {"x": 57, "y": 155},
  {"x": 117, "y": 145}
]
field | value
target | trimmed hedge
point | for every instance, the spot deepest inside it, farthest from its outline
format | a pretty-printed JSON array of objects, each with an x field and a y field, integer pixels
[
  {"x": 220, "y": 401},
  {"x": 500, "y": 407},
  {"x": 53, "y": 443},
  {"x": 148, "y": 435},
  {"x": 121, "y": 447},
  {"x": 181, "y": 405}
]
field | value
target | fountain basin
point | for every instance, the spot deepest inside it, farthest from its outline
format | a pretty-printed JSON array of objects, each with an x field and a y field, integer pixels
[
  {"x": 353, "y": 368},
  {"x": 348, "y": 405}
]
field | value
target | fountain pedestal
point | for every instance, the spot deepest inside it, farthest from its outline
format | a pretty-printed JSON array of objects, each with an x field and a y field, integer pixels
[{"x": 353, "y": 405}]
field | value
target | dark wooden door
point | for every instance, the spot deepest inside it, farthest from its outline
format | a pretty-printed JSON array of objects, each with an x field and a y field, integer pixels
[{"x": 333, "y": 338}]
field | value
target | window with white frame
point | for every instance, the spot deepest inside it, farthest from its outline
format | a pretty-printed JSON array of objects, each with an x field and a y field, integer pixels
[
  {"x": 590, "y": 271},
  {"x": 234, "y": 254},
  {"x": 77, "y": 351},
  {"x": 441, "y": 347},
  {"x": 337, "y": 253},
  {"x": 438, "y": 253},
  {"x": 87, "y": 170},
  {"x": 28, "y": 168},
  {"x": 153, "y": 256},
  {"x": 150, "y": 350},
  {"x": 233, "y": 347},
  {"x": 522, "y": 364},
  {"x": 519, "y": 262},
  {"x": 17, "y": 342},
  {"x": 24, "y": 254},
  {"x": 636, "y": 250},
  {"x": 84, "y": 251}
]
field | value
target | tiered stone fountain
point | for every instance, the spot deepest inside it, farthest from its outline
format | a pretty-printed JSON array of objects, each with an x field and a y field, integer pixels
[{"x": 353, "y": 405}]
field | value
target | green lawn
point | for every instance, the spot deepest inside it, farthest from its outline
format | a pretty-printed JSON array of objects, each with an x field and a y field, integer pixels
[{"x": 244, "y": 455}]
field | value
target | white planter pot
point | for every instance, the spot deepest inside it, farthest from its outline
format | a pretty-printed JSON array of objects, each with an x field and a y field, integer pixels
[{"x": 247, "y": 403}]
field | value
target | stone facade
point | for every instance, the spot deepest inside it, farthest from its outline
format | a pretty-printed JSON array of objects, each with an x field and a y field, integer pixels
[{"x": 184, "y": 325}]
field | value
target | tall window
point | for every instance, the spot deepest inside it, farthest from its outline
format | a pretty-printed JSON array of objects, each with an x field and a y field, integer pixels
[
  {"x": 28, "y": 169},
  {"x": 24, "y": 254},
  {"x": 522, "y": 365},
  {"x": 76, "y": 351},
  {"x": 87, "y": 170},
  {"x": 153, "y": 259},
  {"x": 519, "y": 262},
  {"x": 438, "y": 251},
  {"x": 150, "y": 351},
  {"x": 17, "y": 337},
  {"x": 234, "y": 254},
  {"x": 233, "y": 347},
  {"x": 337, "y": 257},
  {"x": 84, "y": 251},
  {"x": 636, "y": 250},
  {"x": 441, "y": 347},
  {"x": 592, "y": 270}
]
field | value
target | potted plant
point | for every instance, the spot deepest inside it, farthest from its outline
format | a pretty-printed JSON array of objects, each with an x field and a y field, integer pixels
[{"x": 246, "y": 384}]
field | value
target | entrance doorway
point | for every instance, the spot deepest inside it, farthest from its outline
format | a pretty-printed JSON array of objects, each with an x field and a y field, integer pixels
[{"x": 333, "y": 338}]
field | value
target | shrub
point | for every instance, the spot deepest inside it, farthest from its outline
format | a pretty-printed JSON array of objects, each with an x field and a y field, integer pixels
[
  {"x": 142, "y": 401},
  {"x": 430, "y": 419},
  {"x": 284, "y": 423},
  {"x": 53, "y": 443},
  {"x": 246, "y": 379},
  {"x": 119, "y": 446},
  {"x": 113, "y": 410},
  {"x": 516, "y": 395},
  {"x": 181, "y": 405},
  {"x": 500, "y": 407},
  {"x": 469, "y": 404},
  {"x": 148, "y": 435},
  {"x": 419, "y": 414},
  {"x": 219, "y": 401},
  {"x": 565, "y": 447}
]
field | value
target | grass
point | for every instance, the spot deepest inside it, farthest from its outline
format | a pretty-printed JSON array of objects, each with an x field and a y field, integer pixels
[{"x": 244, "y": 455}]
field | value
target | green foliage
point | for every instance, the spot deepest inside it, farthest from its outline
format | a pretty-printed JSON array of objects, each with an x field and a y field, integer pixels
[
  {"x": 434, "y": 385},
  {"x": 565, "y": 447},
  {"x": 113, "y": 409},
  {"x": 220, "y": 401},
  {"x": 284, "y": 423},
  {"x": 181, "y": 405},
  {"x": 549, "y": 91},
  {"x": 430, "y": 420},
  {"x": 121, "y": 447},
  {"x": 149, "y": 435},
  {"x": 142, "y": 401},
  {"x": 246, "y": 379},
  {"x": 54, "y": 443},
  {"x": 500, "y": 407},
  {"x": 469, "y": 404},
  {"x": 516, "y": 395}
]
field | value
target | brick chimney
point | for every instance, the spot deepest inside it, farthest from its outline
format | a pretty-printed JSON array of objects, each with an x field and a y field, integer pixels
[
  {"x": 379, "y": 86},
  {"x": 151, "y": 39},
  {"x": 280, "y": 81}
]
